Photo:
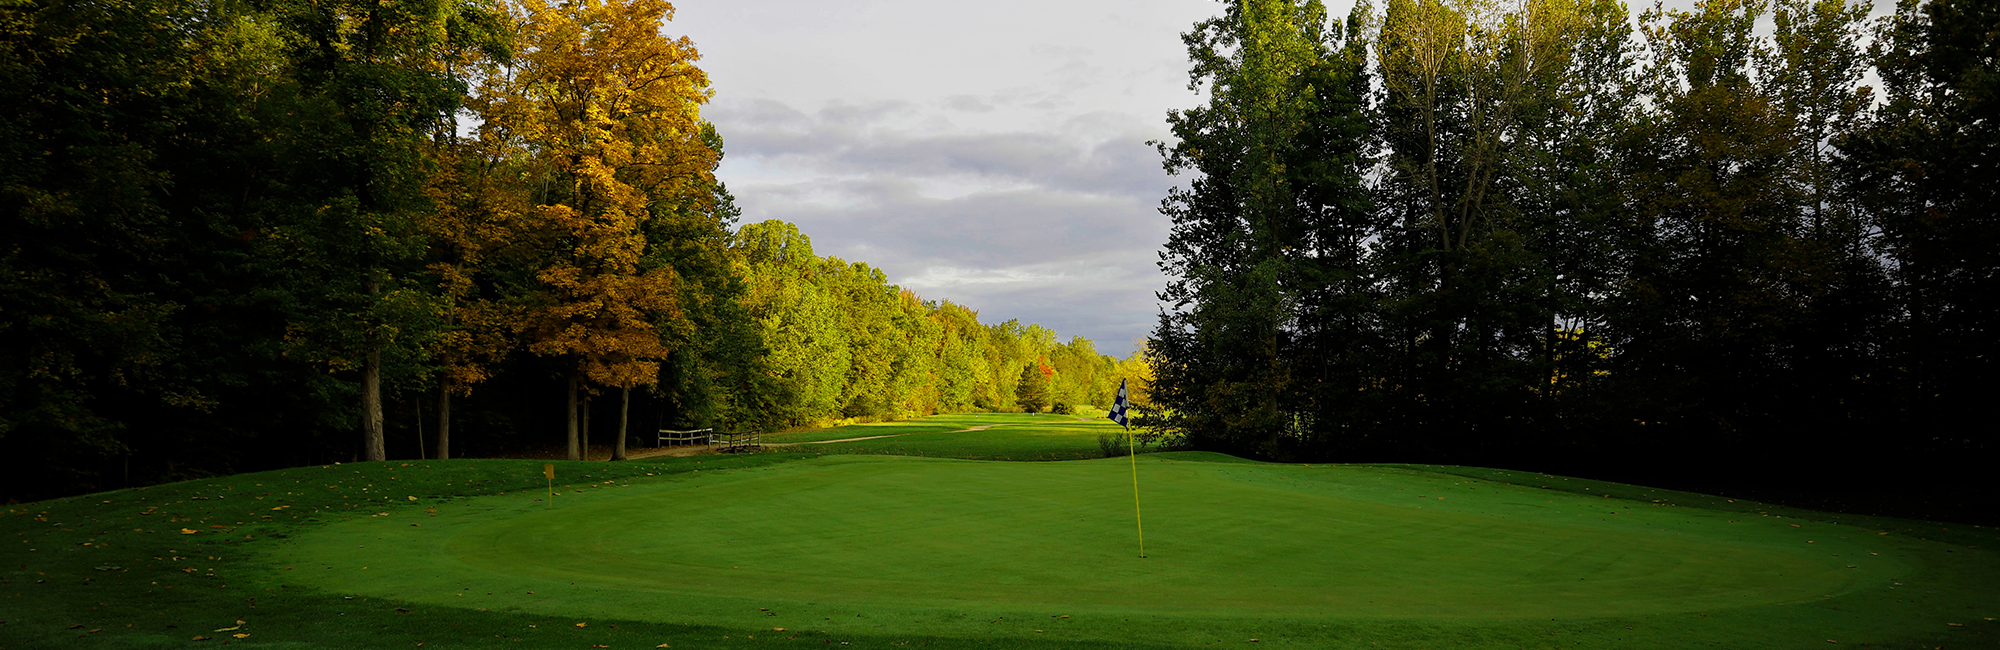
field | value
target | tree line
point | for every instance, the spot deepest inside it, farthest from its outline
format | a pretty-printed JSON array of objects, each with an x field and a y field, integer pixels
[
  {"x": 1546, "y": 234},
  {"x": 241, "y": 235}
]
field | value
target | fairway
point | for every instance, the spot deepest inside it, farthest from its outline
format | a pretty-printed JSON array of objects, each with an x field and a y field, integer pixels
[
  {"x": 867, "y": 542},
  {"x": 913, "y": 534}
]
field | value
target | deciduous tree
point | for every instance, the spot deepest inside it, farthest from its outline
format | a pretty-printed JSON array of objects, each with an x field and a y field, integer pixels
[{"x": 609, "y": 107}]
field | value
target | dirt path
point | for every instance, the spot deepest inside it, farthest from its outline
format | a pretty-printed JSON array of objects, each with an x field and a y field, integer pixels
[{"x": 662, "y": 452}]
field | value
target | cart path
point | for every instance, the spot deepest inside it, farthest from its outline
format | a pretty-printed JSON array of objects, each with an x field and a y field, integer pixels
[
  {"x": 982, "y": 427},
  {"x": 703, "y": 449}
]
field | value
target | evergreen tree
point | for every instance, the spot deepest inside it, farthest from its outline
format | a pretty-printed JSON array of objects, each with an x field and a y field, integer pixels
[{"x": 1032, "y": 390}]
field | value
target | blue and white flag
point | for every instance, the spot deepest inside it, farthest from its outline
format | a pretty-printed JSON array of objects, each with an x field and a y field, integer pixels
[{"x": 1119, "y": 406}]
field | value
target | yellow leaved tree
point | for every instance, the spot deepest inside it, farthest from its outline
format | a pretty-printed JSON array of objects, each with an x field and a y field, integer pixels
[
  {"x": 608, "y": 110},
  {"x": 479, "y": 214}
]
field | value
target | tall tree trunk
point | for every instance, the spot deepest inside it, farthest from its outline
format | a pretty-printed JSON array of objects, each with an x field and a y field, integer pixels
[
  {"x": 444, "y": 419},
  {"x": 575, "y": 452},
  {"x": 372, "y": 439},
  {"x": 418, "y": 406},
  {"x": 624, "y": 410},
  {"x": 1271, "y": 391},
  {"x": 371, "y": 406},
  {"x": 586, "y": 428}
]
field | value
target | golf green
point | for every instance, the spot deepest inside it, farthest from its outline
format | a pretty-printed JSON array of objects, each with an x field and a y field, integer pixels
[{"x": 887, "y": 544}]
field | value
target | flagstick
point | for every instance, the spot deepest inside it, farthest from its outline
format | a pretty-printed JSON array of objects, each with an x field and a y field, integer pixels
[{"x": 1132, "y": 452}]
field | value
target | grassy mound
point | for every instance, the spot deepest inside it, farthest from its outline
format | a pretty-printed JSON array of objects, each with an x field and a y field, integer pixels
[{"x": 876, "y": 549}]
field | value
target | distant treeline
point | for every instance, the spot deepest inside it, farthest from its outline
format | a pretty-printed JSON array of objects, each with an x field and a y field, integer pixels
[
  {"x": 247, "y": 235},
  {"x": 1525, "y": 233},
  {"x": 844, "y": 343}
]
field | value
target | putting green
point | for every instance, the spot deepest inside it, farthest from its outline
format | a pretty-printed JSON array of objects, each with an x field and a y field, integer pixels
[{"x": 935, "y": 540}]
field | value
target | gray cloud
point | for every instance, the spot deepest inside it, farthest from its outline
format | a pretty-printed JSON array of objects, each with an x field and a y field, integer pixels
[
  {"x": 967, "y": 103},
  {"x": 1081, "y": 263},
  {"x": 1056, "y": 226},
  {"x": 1092, "y": 152}
]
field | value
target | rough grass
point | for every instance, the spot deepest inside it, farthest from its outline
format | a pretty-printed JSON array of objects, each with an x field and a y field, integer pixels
[{"x": 873, "y": 550}]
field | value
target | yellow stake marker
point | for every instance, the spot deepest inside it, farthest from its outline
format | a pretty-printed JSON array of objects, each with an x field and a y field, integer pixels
[{"x": 549, "y": 470}]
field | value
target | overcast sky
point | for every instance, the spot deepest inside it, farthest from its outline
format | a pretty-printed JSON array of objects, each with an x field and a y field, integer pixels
[
  {"x": 988, "y": 153},
  {"x": 991, "y": 154}
]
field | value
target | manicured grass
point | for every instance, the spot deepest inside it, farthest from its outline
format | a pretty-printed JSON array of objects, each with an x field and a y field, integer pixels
[
  {"x": 1013, "y": 436},
  {"x": 874, "y": 550}
]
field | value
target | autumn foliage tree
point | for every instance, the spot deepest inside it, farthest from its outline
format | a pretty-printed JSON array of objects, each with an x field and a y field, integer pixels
[
  {"x": 610, "y": 109},
  {"x": 480, "y": 214}
]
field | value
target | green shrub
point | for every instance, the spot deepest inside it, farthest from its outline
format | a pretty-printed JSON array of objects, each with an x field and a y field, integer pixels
[{"x": 1112, "y": 444}]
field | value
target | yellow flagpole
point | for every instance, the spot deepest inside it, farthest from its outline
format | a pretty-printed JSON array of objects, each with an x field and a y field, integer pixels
[{"x": 1131, "y": 451}]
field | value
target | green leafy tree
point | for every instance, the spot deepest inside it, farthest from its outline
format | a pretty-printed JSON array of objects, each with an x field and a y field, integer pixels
[
  {"x": 715, "y": 374},
  {"x": 347, "y": 238},
  {"x": 1709, "y": 294},
  {"x": 1922, "y": 169},
  {"x": 1265, "y": 223},
  {"x": 797, "y": 321}
]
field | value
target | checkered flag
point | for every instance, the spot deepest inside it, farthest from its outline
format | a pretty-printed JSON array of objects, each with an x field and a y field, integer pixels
[{"x": 1119, "y": 406}]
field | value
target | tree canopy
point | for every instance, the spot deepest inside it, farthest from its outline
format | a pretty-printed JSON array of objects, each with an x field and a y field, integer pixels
[
  {"x": 242, "y": 236},
  {"x": 1528, "y": 234}
]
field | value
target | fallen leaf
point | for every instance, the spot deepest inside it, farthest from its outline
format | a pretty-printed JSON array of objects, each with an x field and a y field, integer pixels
[
  {"x": 78, "y": 626},
  {"x": 663, "y": 645},
  {"x": 200, "y": 638},
  {"x": 189, "y": 531},
  {"x": 244, "y": 635},
  {"x": 582, "y": 624},
  {"x": 1956, "y": 624},
  {"x": 229, "y": 629},
  {"x": 780, "y": 629},
  {"x": 413, "y": 498}
]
